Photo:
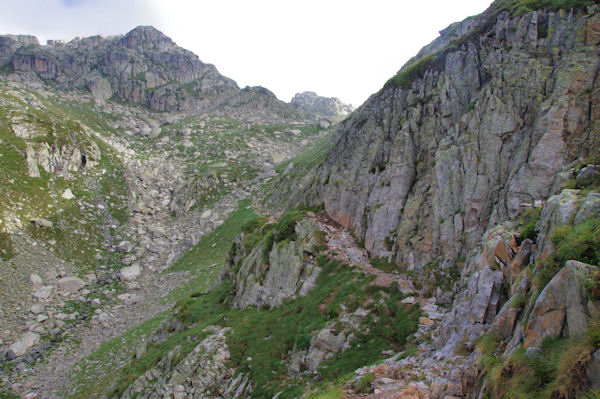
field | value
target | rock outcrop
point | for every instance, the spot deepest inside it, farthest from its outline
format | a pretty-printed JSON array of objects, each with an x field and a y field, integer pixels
[
  {"x": 321, "y": 107},
  {"x": 202, "y": 373},
  {"x": 562, "y": 307},
  {"x": 289, "y": 271}
]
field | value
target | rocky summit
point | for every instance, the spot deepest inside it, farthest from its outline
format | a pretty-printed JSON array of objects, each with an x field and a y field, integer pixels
[
  {"x": 322, "y": 106},
  {"x": 143, "y": 67},
  {"x": 166, "y": 234}
]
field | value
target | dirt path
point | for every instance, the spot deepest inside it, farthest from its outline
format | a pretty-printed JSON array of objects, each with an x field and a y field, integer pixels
[
  {"x": 342, "y": 246},
  {"x": 403, "y": 378}
]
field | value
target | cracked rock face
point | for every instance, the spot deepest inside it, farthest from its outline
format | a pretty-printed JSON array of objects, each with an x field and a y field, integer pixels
[
  {"x": 289, "y": 273},
  {"x": 472, "y": 141}
]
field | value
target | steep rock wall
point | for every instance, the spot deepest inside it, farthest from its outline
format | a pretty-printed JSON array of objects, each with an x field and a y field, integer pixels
[{"x": 472, "y": 132}]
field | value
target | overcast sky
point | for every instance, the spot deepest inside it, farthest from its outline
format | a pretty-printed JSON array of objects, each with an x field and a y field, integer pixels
[{"x": 337, "y": 48}]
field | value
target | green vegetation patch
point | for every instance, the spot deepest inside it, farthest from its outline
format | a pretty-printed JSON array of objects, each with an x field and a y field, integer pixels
[
  {"x": 527, "y": 222},
  {"x": 558, "y": 371},
  {"x": 81, "y": 230},
  {"x": 212, "y": 248},
  {"x": 521, "y": 7},
  {"x": 383, "y": 264},
  {"x": 6, "y": 246},
  {"x": 417, "y": 69},
  {"x": 261, "y": 341},
  {"x": 581, "y": 243},
  {"x": 207, "y": 257}
]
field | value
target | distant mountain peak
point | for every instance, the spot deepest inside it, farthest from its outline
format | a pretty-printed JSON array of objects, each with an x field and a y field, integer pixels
[
  {"x": 321, "y": 106},
  {"x": 144, "y": 36}
]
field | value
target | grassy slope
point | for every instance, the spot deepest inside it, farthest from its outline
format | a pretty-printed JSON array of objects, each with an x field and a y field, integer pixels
[
  {"x": 24, "y": 198},
  {"x": 555, "y": 373},
  {"x": 287, "y": 328},
  {"x": 205, "y": 259},
  {"x": 94, "y": 374}
]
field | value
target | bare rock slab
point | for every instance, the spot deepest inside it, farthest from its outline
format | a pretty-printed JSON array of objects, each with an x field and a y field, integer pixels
[
  {"x": 35, "y": 281},
  {"x": 44, "y": 292},
  {"x": 68, "y": 194},
  {"x": 125, "y": 246},
  {"x": 129, "y": 273},
  {"x": 19, "y": 347},
  {"x": 561, "y": 306}
]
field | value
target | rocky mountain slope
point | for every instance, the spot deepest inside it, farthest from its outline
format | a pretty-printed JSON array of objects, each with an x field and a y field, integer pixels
[
  {"x": 490, "y": 122},
  {"x": 484, "y": 129},
  {"x": 441, "y": 242},
  {"x": 322, "y": 106}
]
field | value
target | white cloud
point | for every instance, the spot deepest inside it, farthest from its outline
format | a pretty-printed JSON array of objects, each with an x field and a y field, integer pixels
[
  {"x": 66, "y": 19},
  {"x": 346, "y": 49}
]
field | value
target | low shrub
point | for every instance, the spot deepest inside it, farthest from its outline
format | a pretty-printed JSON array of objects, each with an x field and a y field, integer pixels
[
  {"x": 364, "y": 385},
  {"x": 527, "y": 222},
  {"x": 581, "y": 243}
]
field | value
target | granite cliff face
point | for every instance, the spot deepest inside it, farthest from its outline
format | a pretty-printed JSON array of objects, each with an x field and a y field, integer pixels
[
  {"x": 144, "y": 66},
  {"x": 493, "y": 122},
  {"x": 471, "y": 133}
]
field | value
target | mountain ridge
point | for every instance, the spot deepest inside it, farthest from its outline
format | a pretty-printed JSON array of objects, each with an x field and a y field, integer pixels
[{"x": 143, "y": 66}]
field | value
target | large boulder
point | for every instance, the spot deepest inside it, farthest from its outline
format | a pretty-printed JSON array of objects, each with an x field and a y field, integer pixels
[
  {"x": 561, "y": 309},
  {"x": 70, "y": 284},
  {"x": 19, "y": 347},
  {"x": 35, "y": 281},
  {"x": 44, "y": 223},
  {"x": 125, "y": 246},
  {"x": 44, "y": 292},
  {"x": 129, "y": 273}
]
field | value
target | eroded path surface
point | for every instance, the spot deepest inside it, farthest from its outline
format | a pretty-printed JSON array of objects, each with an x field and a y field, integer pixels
[
  {"x": 342, "y": 246},
  {"x": 416, "y": 377}
]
